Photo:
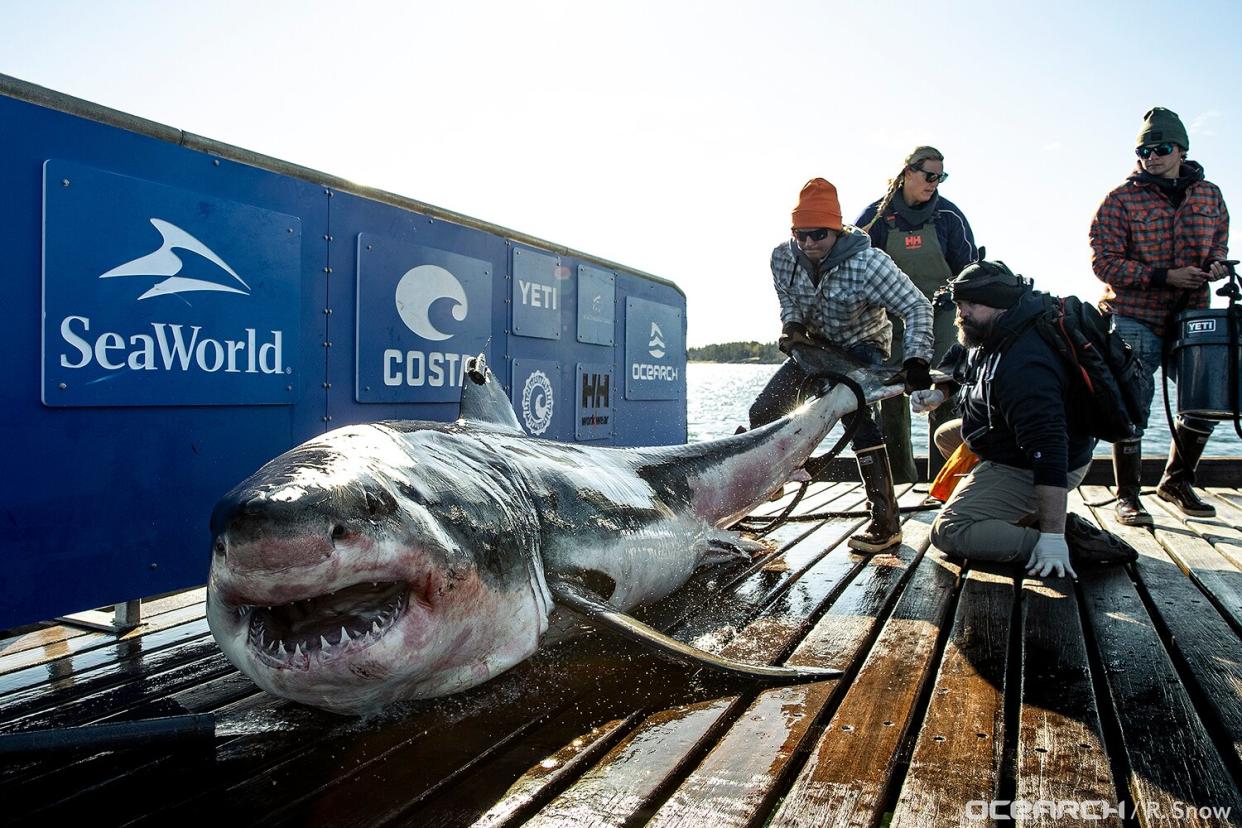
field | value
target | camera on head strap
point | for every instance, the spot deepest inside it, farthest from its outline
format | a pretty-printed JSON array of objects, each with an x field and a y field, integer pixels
[{"x": 984, "y": 283}]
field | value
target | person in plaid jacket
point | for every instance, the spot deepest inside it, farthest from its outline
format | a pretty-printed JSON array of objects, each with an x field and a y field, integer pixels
[
  {"x": 834, "y": 286},
  {"x": 1156, "y": 243}
]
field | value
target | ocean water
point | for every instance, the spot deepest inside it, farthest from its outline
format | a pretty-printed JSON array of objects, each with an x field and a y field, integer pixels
[{"x": 719, "y": 395}]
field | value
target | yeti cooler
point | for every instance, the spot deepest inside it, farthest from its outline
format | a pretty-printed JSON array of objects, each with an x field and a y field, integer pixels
[{"x": 1201, "y": 358}]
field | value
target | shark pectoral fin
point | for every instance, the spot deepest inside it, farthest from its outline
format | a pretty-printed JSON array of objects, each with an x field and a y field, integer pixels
[{"x": 573, "y": 595}]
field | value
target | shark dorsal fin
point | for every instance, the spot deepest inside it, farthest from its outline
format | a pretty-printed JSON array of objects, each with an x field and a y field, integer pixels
[{"x": 483, "y": 399}]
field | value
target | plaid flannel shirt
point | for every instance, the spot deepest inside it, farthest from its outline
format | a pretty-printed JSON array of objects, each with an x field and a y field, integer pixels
[
  {"x": 1137, "y": 231},
  {"x": 847, "y": 307}
]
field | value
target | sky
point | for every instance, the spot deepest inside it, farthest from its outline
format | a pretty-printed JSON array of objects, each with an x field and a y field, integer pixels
[{"x": 673, "y": 137}]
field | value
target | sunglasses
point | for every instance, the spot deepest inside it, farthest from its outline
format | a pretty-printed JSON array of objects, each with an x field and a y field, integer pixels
[
  {"x": 1158, "y": 150},
  {"x": 932, "y": 177},
  {"x": 811, "y": 235}
]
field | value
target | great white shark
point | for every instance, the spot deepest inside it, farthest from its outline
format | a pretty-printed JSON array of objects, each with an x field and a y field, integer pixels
[{"x": 405, "y": 559}]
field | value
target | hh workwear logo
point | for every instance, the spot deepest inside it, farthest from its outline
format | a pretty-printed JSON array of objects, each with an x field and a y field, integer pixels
[
  {"x": 655, "y": 346},
  {"x": 155, "y": 295},
  {"x": 419, "y": 289},
  {"x": 164, "y": 261},
  {"x": 914, "y": 242}
]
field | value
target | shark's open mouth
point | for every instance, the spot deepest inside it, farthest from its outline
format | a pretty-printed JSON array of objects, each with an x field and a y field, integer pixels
[{"x": 326, "y": 626}]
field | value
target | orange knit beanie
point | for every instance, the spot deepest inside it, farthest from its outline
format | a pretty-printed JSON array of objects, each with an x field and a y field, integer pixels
[{"x": 817, "y": 206}]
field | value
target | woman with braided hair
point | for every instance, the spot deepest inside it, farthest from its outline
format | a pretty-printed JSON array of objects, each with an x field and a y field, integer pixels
[{"x": 931, "y": 241}]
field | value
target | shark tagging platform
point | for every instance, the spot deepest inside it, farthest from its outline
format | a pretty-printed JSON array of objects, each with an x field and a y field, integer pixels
[{"x": 463, "y": 567}]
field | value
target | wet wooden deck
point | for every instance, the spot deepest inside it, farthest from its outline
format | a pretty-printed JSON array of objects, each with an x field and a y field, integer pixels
[{"x": 1120, "y": 696}]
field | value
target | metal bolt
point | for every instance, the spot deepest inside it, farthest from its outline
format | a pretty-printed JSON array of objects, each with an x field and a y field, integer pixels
[
  {"x": 288, "y": 387},
  {"x": 327, "y": 385},
  {"x": 216, "y": 162},
  {"x": 327, "y": 344},
  {"x": 63, "y": 387},
  {"x": 155, "y": 566},
  {"x": 327, "y": 419},
  {"x": 325, "y": 237},
  {"x": 290, "y": 229},
  {"x": 370, "y": 247},
  {"x": 64, "y": 183},
  {"x": 327, "y": 310}
]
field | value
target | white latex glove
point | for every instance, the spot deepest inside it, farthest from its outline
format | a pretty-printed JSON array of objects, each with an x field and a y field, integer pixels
[
  {"x": 923, "y": 401},
  {"x": 1050, "y": 556}
]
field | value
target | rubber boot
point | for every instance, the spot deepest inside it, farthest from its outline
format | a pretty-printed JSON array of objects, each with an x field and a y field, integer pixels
[
  {"x": 1128, "y": 470},
  {"x": 1175, "y": 486},
  {"x": 884, "y": 530}
]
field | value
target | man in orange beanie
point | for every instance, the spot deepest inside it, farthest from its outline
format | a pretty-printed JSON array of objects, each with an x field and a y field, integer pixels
[{"x": 834, "y": 286}]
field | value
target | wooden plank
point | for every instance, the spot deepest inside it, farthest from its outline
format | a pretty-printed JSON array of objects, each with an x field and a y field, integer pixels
[
  {"x": 1214, "y": 574},
  {"x": 39, "y": 688},
  {"x": 618, "y": 788},
  {"x": 957, "y": 757},
  {"x": 54, "y": 654},
  {"x": 737, "y": 781},
  {"x": 847, "y": 776},
  {"x": 54, "y": 634},
  {"x": 1200, "y": 638},
  {"x": 464, "y": 802},
  {"x": 1223, "y": 531},
  {"x": 1172, "y": 760},
  {"x": 1062, "y": 756}
]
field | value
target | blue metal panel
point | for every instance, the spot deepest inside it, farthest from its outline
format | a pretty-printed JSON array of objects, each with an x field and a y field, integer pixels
[
  {"x": 107, "y": 503},
  {"x": 537, "y": 294},
  {"x": 422, "y": 312},
  {"x": 654, "y": 351},
  {"x": 597, "y": 301},
  {"x": 156, "y": 295},
  {"x": 464, "y": 251},
  {"x": 539, "y": 397}
]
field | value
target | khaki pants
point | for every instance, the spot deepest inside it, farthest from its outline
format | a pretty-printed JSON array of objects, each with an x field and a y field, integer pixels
[{"x": 981, "y": 519}]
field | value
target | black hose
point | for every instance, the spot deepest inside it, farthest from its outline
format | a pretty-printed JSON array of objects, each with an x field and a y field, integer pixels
[{"x": 111, "y": 735}]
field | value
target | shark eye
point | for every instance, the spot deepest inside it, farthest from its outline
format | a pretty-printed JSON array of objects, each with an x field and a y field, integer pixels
[
  {"x": 339, "y": 532},
  {"x": 218, "y": 546}
]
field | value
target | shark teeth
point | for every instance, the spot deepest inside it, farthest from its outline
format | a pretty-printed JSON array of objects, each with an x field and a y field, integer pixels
[{"x": 323, "y": 628}]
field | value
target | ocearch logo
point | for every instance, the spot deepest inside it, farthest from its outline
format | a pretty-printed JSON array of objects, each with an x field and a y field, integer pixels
[
  {"x": 419, "y": 289},
  {"x": 656, "y": 344}
]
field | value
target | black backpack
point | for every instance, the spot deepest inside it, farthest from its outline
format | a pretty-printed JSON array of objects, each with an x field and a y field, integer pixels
[{"x": 1112, "y": 390}]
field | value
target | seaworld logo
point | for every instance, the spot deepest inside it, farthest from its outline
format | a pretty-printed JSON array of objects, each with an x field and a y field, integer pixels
[
  {"x": 167, "y": 346},
  {"x": 419, "y": 289},
  {"x": 164, "y": 261}
]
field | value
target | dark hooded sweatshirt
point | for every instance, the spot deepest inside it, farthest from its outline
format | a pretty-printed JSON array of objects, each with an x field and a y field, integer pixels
[{"x": 1013, "y": 400}]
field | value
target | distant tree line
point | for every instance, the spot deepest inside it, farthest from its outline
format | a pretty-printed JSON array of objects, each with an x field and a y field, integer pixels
[{"x": 737, "y": 352}]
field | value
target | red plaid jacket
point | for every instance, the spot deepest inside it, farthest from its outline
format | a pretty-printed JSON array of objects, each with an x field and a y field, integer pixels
[{"x": 1137, "y": 231}]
